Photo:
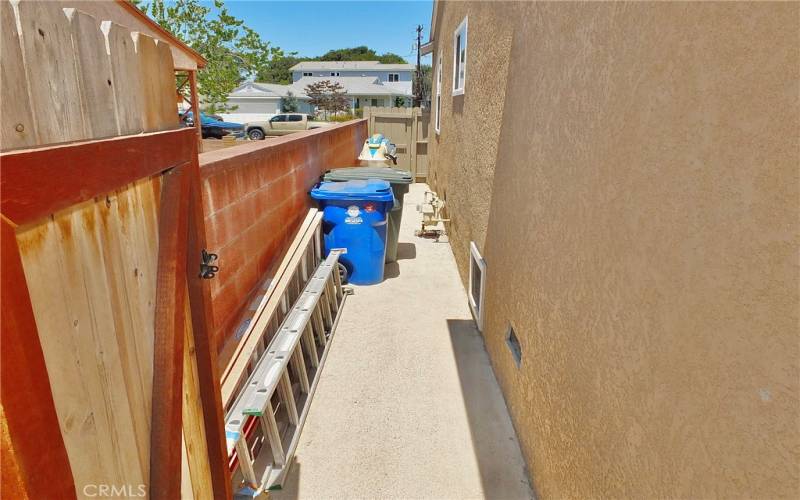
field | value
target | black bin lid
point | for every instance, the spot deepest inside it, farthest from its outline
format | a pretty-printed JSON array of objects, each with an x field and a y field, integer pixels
[{"x": 393, "y": 175}]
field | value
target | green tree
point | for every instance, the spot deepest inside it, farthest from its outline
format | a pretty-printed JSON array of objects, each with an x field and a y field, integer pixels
[
  {"x": 289, "y": 103},
  {"x": 278, "y": 69},
  {"x": 399, "y": 102},
  {"x": 234, "y": 51},
  {"x": 360, "y": 53},
  {"x": 327, "y": 96}
]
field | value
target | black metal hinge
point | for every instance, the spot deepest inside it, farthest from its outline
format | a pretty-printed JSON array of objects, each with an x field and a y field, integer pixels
[{"x": 207, "y": 271}]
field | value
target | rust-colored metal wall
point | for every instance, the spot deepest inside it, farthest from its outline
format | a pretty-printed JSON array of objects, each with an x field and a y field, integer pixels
[
  {"x": 640, "y": 227},
  {"x": 254, "y": 197}
]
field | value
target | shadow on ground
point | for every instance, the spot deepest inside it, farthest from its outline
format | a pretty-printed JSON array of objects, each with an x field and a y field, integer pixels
[
  {"x": 489, "y": 422},
  {"x": 291, "y": 484},
  {"x": 405, "y": 251}
]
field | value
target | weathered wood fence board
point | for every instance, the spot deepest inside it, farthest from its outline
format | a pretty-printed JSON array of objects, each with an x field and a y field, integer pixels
[
  {"x": 18, "y": 130},
  {"x": 83, "y": 219},
  {"x": 408, "y": 129}
]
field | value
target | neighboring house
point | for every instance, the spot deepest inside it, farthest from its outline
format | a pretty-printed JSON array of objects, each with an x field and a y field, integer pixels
[
  {"x": 366, "y": 83},
  {"x": 258, "y": 101},
  {"x": 398, "y": 77},
  {"x": 627, "y": 177}
]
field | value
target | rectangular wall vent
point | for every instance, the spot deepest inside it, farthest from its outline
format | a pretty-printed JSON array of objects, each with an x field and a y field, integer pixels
[{"x": 513, "y": 345}]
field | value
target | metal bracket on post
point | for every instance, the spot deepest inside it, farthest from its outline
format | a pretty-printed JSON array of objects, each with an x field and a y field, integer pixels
[{"x": 207, "y": 271}]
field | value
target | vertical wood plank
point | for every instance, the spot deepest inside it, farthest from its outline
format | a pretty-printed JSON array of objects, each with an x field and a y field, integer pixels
[
  {"x": 151, "y": 83},
  {"x": 186, "y": 478},
  {"x": 95, "y": 275},
  {"x": 139, "y": 244},
  {"x": 116, "y": 221},
  {"x": 18, "y": 128},
  {"x": 166, "y": 429},
  {"x": 126, "y": 82},
  {"x": 168, "y": 94},
  {"x": 50, "y": 65},
  {"x": 205, "y": 348},
  {"x": 195, "y": 97},
  {"x": 30, "y": 421},
  {"x": 69, "y": 353},
  {"x": 193, "y": 427},
  {"x": 94, "y": 75}
]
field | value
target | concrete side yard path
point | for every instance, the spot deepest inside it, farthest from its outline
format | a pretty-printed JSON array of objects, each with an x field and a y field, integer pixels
[{"x": 408, "y": 406}]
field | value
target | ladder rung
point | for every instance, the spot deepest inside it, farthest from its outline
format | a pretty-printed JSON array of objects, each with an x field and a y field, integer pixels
[
  {"x": 310, "y": 345},
  {"x": 300, "y": 370},
  {"x": 287, "y": 395},
  {"x": 270, "y": 428}
]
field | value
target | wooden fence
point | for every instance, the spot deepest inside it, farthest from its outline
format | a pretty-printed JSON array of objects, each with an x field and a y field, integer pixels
[
  {"x": 408, "y": 129},
  {"x": 108, "y": 375}
]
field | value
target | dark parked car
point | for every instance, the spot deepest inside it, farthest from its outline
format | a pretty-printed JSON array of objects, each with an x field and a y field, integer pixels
[{"x": 212, "y": 127}]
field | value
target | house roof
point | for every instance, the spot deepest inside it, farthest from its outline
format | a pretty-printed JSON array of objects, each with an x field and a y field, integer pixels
[
  {"x": 267, "y": 90},
  {"x": 353, "y": 85},
  {"x": 350, "y": 65}
]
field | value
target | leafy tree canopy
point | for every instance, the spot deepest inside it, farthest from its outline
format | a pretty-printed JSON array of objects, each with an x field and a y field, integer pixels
[
  {"x": 233, "y": 50},
  {"x": 362, "y": 53},
  {"x": 277, "y": 70}
]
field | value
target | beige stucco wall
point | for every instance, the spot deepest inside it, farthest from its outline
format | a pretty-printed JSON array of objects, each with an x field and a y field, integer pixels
[
  {"x": 643, "y": 242},
  {"x": 466, "y": 147}
]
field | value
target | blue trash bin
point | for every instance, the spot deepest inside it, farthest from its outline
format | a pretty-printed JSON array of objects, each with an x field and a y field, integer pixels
[{"x": 354, "y": 216}]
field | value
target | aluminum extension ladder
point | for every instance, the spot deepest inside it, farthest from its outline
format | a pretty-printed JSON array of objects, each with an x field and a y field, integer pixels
[{"x": 282, "y": 384}]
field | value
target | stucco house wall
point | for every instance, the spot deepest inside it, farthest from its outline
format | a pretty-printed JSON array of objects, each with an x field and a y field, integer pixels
[{"x": 639, "y": 217}]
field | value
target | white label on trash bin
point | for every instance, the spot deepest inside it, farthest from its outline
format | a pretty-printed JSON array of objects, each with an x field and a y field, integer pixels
[{"x": 353, "y": 215}]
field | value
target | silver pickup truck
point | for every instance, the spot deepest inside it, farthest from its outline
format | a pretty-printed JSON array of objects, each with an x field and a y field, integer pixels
[{"x": 280, "y": 124}]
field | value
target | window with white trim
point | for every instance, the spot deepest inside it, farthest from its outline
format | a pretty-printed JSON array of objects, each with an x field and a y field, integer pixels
[
  {"x": 438, "y": 109},
  {"x": 334, "y": 73},
  {"x": 306, "y": 73},
  {"x": 477, "y": 283},
  {"x": 460, "y": 58},
  {"x": 394, "y": 77}
]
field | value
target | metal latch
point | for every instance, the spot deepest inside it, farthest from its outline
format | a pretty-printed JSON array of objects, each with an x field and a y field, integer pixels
[{"x": 207, "y": 271}]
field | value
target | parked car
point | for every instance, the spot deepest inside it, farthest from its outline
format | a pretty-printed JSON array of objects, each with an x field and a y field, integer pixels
[
  {"x": 213, "y": 127},
  {"x": 280, "y": 124}
]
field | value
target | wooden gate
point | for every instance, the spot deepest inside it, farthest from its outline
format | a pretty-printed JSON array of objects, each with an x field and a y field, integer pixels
[
  {"x": 109, "y": 378},
  {"x": 408, "y": 129}
]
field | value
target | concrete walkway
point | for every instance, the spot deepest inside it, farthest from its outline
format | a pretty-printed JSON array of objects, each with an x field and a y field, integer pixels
[{"x": 408, "y": 406}]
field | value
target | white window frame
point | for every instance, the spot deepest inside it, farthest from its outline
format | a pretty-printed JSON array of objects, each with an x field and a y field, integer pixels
[
  {"x": 437, "y": 123},
  {"x": 396, "y": 77},
  {"x": 458, "y": 86},
  {"x": 477, "y": 307},
  {"x": 307, "y": 73},
  {"x": 335, "y": 73}
]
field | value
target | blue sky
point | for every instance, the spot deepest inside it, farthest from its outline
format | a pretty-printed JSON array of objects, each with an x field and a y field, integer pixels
[{"x": 311, "y": 28}]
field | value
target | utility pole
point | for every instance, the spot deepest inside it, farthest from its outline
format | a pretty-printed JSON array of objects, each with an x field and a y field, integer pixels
[{"x": 418, "y": 81}]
